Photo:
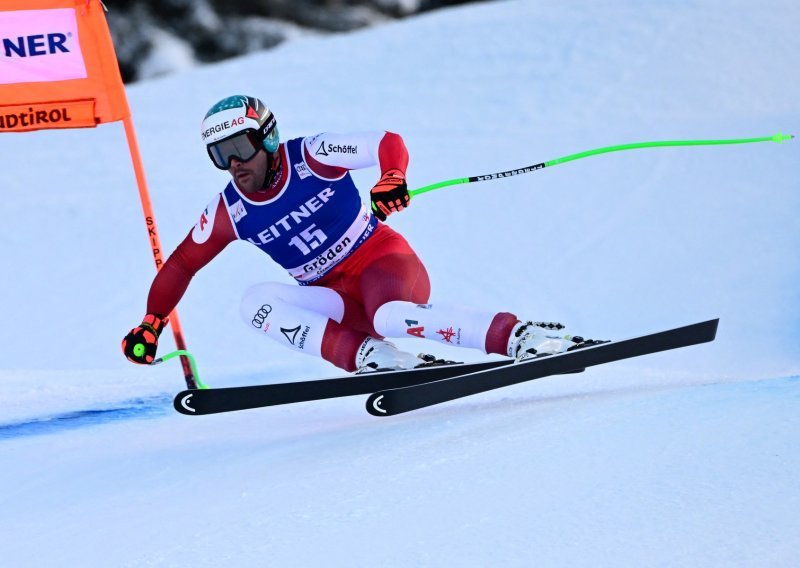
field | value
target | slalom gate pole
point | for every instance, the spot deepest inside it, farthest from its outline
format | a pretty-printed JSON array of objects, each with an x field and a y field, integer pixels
[
  {"x": 155, "y": 243},
  {"x": 595, "y": 152},
  {"x": 184, "y": 355}
]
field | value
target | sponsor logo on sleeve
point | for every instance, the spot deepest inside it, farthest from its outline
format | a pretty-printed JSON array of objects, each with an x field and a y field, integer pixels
[
  {"x": 321, "y": 150},
  {"x": 327, "y": 149},
  {"x": 204, "y": 227},
  {"x": 237, "y": 211}
]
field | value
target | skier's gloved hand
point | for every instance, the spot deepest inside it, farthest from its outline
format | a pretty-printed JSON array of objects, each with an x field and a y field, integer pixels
[
  {"x": 141, "y": 343},
  {"x": 390, "y": 194}
]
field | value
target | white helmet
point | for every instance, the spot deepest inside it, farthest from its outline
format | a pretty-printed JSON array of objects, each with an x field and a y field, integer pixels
[{"x": 238, "y": 127}]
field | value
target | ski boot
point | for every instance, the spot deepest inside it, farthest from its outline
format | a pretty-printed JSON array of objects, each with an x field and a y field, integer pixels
[
  {"x": 376, "y": 355},
  {"x": 538, "y": 339}
]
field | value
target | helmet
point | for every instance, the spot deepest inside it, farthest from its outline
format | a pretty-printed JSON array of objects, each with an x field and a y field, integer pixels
[{"x": 238, "y": 127}]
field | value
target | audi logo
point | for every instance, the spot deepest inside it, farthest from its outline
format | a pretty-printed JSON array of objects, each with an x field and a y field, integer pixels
[{"x": 261, "y": 315}]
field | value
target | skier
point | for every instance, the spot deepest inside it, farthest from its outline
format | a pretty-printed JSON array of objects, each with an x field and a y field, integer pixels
[{"x": 359, "y": 280}]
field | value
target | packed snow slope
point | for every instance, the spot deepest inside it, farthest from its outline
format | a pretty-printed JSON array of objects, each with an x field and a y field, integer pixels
[{"x": 688, "y": 458}]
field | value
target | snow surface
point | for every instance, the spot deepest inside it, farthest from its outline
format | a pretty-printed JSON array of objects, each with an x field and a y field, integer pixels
[{"x": 687, "y": 458}]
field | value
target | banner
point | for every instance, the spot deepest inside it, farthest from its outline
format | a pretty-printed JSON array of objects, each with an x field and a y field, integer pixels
[{"x": 58, "y": 68}]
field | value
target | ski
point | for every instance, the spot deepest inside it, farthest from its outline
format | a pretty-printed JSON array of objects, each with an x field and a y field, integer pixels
[
  {"x": 403, "y": 399},
  {"x": 211, "y": 401}
]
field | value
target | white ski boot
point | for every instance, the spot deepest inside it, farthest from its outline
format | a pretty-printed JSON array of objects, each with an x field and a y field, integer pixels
[
  {"x": 379, "y": 355},
  {"x": 538, "y": 339}
]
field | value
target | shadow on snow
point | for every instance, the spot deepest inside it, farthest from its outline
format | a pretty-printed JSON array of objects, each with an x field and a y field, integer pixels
[{"x": 134, "y": 409}]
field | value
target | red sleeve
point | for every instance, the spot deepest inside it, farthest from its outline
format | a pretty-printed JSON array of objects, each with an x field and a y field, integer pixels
[
  {"x": 324, "y": 170},
  {"x": 172, "y": 280},
  {"x": 392, "y": 153}
]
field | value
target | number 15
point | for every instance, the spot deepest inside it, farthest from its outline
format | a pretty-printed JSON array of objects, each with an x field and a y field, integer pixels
[{"x": 311, "y": 239}]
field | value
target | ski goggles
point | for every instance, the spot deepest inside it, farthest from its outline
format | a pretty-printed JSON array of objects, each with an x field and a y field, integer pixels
[{"x": 243, "y": 146}]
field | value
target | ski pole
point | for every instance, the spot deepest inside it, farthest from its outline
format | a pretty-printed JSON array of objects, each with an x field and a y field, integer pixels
[
  {"x": 190, "y": 357},
  {"x": 776, "y": 138}
]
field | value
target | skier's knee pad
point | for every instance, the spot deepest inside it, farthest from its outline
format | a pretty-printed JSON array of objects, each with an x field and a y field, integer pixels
[
  {"x": 450, "y": 324},
  {"x": 388, "y": 318},
  {"x": 287, "y": 299},
  {"x": 257, "y": 302},
  {"x": 280, "y": 312}
]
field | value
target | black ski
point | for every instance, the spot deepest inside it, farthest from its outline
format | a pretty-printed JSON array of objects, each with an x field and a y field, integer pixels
[
  {"x": 404, "y": 399},
  {"x": 211, "y": 401}
]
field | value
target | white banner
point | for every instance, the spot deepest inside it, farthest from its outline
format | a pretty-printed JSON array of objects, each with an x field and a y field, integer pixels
[{"x": 40, "y": 46}]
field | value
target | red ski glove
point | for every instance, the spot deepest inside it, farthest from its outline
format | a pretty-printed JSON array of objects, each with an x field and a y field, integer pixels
[
  {"x": 141, "y": 343},
  {"x": 390, "y": 194}
]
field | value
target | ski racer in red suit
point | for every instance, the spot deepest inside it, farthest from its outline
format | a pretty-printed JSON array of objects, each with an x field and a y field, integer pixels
[{"x": 359, "y": 280}]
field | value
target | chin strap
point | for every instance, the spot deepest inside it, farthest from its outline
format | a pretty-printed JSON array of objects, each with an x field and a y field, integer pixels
[{"x": 274, "y": 164}]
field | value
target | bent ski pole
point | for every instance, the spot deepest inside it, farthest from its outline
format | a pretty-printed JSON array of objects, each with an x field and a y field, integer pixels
[
  {"x": 776, "y": 138},
  {"x": 190, "y": 357}
]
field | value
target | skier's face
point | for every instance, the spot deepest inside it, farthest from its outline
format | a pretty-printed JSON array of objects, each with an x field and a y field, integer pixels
[{"x": 250, "y": 175}]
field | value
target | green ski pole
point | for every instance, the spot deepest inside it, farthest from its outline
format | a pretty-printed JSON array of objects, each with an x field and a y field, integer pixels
[
  {"x": 595, "y": 152},
  {"x": 183, "y": 353}
]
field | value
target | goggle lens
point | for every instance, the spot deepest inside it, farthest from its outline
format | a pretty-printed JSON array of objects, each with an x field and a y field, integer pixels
[{"x": 242, "y": 146}]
